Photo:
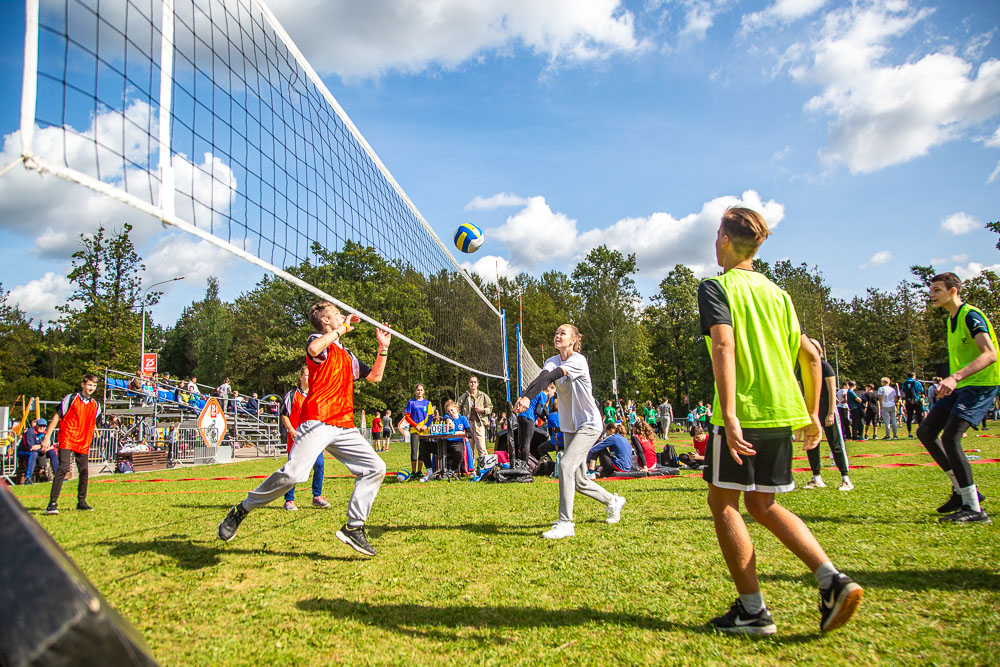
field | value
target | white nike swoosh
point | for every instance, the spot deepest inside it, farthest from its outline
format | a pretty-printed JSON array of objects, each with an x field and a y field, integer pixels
[
  {"x": 829, "y": 604},
  {"x": 741, "y": 623}
]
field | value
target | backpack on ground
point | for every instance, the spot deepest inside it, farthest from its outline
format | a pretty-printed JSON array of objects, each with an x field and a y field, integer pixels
[
  {"x": 506, "y": 475},
  {"x": 545, "y": 467},
  {"x": 668, "y": 457}
]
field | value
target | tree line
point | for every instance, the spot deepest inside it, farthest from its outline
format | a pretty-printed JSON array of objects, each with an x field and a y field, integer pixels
[{"x": 654, "y": 346}]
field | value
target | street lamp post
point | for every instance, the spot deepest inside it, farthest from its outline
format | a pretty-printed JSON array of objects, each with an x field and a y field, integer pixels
[{"x": 142, "y": 344}]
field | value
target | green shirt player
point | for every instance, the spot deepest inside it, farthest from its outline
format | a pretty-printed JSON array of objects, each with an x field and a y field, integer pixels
[
  {"x": 609, "y": 413},
  {"x": 962, "y": 398},
  {"x": 754, "y": 340}
]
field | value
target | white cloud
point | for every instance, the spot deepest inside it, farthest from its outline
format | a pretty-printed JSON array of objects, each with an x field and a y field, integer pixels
[
  {"x": 699, "y": 15},
  {"x": 55, "y": 212},
  {"x": 884, "y": 113},
  {"x": 39, "y": 298},
  {"x": 973, "y": 269},
  {"x": 960, "y": 223},
  {"x": 974, "y": 49},
  {"x": 182, "y": 255},
  {"x": 782, "y": 11},
  {"x": 365, "y": 38},
  {"x": 994, "y": 140},
  {"x": 499, "y": 200},
  {"x": 488, "y": 266},
  {"x": 878, "y": 258},
  {"x": 537, "y": 234},
  {"x": 996, "y": 172}
]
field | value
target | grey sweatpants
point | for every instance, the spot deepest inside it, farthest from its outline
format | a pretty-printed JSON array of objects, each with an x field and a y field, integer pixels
[
  {"x": 888, "y": 418},
  {"x": 348, "y": 446},
  {"x": 573, "y": 472}
]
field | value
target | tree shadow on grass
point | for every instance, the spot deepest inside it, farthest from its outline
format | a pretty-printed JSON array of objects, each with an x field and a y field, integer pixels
[
  {"x": 958, "y": 579},
  {"x": 192, "y": 555},
  {"x": 450, "y": 623}
]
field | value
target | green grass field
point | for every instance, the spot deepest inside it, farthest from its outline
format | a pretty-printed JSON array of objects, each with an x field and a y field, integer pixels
[{"x": 462, "y": 575}]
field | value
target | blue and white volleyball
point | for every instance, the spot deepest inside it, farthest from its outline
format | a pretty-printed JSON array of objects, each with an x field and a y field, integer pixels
[
  {"x": 468, "y": 237},
  {"x": 402, "y": 476}
]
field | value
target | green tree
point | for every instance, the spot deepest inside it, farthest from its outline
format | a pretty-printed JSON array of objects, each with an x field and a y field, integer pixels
[
  {"x": 17, "y": 348},
  {"x": 679, "y": 357},
  {"x": 100, "y": 317},
  {"x": 610, "y": 322}
]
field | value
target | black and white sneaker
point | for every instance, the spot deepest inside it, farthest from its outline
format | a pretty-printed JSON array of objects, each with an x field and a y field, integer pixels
[
  {"x": 84, "y": 507},
  {"x": 955, "y": 503},
  {"x": 966, "y": 515},
  {"x": 356, "y": 539},
  {"x": 228, "y": 526},
  {"x": 838, "y": 602},
  {"x": 52, "y": 509},
  {"x": 739, "y": 621}
]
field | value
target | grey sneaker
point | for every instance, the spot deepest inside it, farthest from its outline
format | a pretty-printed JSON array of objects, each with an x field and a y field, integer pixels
[
  {"x": 356, "y": 539},
  {"x": 228, "y": 526},
  {"x": 320, "y": 501}
]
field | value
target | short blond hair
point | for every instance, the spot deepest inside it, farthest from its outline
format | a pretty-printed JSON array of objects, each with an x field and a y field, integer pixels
[
  {"x": 746, "y": 230},
  {"x": 449, "y": 404}
]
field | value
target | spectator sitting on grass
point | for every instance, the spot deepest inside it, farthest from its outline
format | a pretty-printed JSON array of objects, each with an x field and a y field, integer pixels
[
  {"x": 614, "y": 453},
  {"x": 642, "y": 442}
]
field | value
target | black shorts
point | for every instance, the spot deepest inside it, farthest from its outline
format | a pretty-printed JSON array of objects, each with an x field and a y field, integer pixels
[
  {"x": 914, "y": 408},
  {"x": 768, "y": 471},
  {"x": 870, "y": 417}
]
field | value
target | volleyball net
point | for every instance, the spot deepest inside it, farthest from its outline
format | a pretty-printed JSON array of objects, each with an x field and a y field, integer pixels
[{"x": 205, "y": 115}]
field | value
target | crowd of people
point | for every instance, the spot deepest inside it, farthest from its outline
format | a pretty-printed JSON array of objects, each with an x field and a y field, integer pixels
[
  {"x": 863, "y": 412},
  {"x": 743, "y": 440}
]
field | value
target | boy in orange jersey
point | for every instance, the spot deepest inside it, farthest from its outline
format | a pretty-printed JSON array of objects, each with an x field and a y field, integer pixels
[
  {"x": 290, "y": 407},
  {"x": 77, "y": 415},
  {"x": 326, "y": 421}
]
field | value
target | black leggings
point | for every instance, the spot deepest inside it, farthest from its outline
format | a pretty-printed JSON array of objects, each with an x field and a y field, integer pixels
[
  {"x": 525, "y": 431},
  {"x": 66, "y": 456},
  {"x": 946, "y": 450},
  {"x": 837, "y": 450}
]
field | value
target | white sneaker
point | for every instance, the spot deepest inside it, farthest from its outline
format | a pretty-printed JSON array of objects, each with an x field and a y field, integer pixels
[
  {"x": 846, "y": 485},
  {"x": 816, "y": 483},
  {"x": 591, "y": 475},
  {"x": 560, "y": 530},
  {"x": 290, "y": 506},
  {"x": 615, "y": 506}
]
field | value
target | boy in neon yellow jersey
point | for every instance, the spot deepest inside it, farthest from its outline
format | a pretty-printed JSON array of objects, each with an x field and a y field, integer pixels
[
  {"x": 963, "y": 398},
  {"x": 754, "y": 339}
]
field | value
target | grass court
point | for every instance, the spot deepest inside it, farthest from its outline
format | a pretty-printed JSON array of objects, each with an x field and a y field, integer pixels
[{"x": 463, "y": 577}]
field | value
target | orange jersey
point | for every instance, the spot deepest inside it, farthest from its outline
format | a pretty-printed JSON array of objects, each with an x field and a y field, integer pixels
[
  {"x": 290, "y": 407},
  {"x": 77, "y": 421},
  {"x": 331, "y": 386}
]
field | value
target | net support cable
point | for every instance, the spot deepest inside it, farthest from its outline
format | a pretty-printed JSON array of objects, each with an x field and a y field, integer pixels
[{"x": 164, "y": 208}]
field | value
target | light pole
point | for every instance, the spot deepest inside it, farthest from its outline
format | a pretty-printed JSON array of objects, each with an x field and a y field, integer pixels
[{"x": 142, "y": 344}]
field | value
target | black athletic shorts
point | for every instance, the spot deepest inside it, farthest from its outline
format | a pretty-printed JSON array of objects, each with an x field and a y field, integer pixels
[
  {"x": 768, "y": 471},
  {"x": 914, "y": 409}
]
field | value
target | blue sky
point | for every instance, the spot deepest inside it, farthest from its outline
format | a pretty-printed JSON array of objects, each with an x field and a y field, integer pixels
[{"x": 868, "y": 133}]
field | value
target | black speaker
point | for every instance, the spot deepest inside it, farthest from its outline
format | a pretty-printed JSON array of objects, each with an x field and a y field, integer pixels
[{"x": 49, "y": 613}]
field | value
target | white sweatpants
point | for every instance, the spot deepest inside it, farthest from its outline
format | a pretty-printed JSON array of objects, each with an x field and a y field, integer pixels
[{"x": 347, "y": 445}]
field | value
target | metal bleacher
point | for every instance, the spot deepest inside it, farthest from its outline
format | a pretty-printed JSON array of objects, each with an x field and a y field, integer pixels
[{"x": 166, "y": 417}]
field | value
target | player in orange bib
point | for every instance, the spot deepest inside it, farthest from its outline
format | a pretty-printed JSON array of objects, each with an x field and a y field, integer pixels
[
  {"x": 76, "y": 419},
  {"x": 291, "y": 406},
  {"x": 326, "y": 421}
]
